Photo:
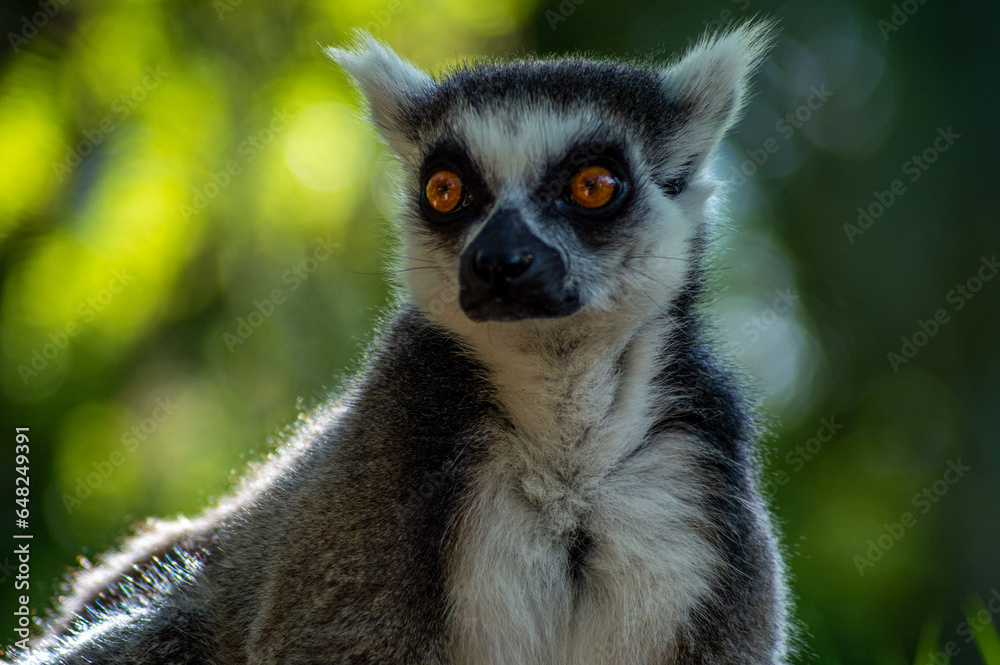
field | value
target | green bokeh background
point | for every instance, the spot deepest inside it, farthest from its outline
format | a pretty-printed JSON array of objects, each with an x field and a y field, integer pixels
[{"x": 168, "y": 169}]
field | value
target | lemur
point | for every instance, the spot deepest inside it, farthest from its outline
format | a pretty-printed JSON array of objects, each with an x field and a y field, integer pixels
[{"x": 543, "y": 461}]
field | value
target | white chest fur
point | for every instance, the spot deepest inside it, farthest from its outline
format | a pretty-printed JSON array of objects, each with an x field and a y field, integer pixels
[{"x": 568, "y": 468}]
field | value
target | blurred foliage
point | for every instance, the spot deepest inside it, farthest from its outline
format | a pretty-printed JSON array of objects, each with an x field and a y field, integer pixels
[{"x": 193, "y": 232}]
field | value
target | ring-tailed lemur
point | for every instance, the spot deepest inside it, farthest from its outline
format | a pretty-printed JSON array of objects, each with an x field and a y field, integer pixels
[{"x": 542, "y": 461}]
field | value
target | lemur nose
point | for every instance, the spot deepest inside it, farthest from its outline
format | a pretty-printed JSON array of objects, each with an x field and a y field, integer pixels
[
  {"x": 504, "y": 266},
  {"x": 507, "y": 273}
]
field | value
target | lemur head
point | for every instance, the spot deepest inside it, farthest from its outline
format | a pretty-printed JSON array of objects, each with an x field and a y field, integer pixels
[{"x": 550, "y": 191}]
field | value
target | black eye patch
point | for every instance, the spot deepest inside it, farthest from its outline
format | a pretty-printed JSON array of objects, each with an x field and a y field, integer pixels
[
  {"x": 596, "y": 227},
  {"x": 449, "y": 156},
  {"x": 447, "y": 227},
  {"x": 554, "y": 190}
]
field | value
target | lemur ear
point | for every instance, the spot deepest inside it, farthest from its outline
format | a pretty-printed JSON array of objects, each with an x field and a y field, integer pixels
[
  {"x": 390, "y": 84},
  {"x": 708, "y": 87}
]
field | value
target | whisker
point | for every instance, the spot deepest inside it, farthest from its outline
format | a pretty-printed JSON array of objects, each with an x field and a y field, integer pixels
[
  {"x": 634, "y": 269},
  {"x": 413, "y": 258},
  {"x": 643, "y": 292},
  {"x": 670, "y": 307},
  {"x": 654, "y": 256},
  {"x": 388, "y": 272}
]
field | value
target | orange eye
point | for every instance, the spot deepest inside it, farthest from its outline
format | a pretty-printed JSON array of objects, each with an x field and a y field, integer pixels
[
  {"x": 444, "y": 190},
  {"x": 593, "y": 187}
]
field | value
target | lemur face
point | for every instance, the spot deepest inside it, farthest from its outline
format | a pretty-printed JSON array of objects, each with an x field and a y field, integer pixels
[
  {"x": 544, "y": 191},
  {"x": 534, "y": 217},
  {"x": 520, "y": 241}
]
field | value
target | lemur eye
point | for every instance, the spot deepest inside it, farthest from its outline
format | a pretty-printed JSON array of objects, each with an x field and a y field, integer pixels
[
  {"x": 444, "y": 190},
  {"x": 593, "y": 187}
]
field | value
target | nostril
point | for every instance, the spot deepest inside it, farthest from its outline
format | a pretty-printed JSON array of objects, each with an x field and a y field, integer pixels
[
  {"x": 483, "y": 266},
  {"x": 492, "y": 267}
]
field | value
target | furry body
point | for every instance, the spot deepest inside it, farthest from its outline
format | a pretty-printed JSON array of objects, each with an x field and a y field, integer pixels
[{"x": 567, "y": 490}]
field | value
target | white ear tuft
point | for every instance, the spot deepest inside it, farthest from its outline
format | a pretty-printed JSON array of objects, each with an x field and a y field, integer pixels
[
  {"x": 709, "y": 86},
  {"x": 390, "y": 84}
]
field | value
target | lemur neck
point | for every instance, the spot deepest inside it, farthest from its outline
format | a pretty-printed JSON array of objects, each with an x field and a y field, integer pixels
[{"x": 561, "y": 384}]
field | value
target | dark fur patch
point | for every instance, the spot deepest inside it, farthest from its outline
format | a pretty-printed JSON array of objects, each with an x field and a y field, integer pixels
[
  {"x": 626, "y": 90},
  {"x": 446, "y": 230},
  {"x": 711, "y": 408},
  {"x": 383, "y": 527},
  {"x": 599, "y": 228}
]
